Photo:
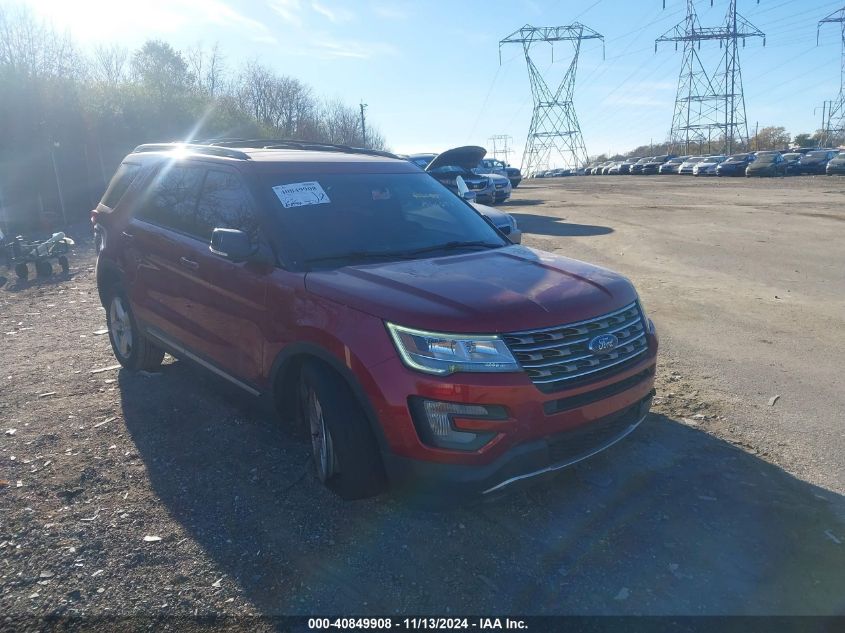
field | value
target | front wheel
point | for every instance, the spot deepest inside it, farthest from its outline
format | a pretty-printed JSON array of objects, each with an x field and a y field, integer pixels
[
  {"x": 345, "y": 452},
  {"x": 131, "y": 347}
]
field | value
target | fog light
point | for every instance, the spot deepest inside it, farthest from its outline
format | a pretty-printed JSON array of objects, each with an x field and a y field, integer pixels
[{"x": 434, "y": 421}]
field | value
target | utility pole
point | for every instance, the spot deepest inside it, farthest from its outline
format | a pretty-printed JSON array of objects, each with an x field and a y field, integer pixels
[
  {"x": 363, "y": 124},
  {"x": 833, "y": 128},
  {"x": 756, "y": 136},
  {"x": 58, "y": 182},
  {"x": 707, "y": 103},
  {"x": 824, "y": 126},
  {"x": 554, "y": 124}
]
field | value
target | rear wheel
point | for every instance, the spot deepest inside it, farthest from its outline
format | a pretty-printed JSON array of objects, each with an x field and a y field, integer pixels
[
  {"x": 43, "y": 268},
  {"x": 345, "y": 453},
  {"x": 22, "y": 271},
  {"x": 63, "y": 262},
  {"x": 131, "y": 347}
]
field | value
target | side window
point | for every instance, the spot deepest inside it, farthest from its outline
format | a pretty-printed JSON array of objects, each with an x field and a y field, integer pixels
[
  {"x": 172, "y": 198},
  {"x": 120, "y": 183},
  {"x": 224, "y": 204}
]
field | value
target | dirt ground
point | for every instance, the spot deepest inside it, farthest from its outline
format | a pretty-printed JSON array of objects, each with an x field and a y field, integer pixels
[{"x": 174, "y": 494}]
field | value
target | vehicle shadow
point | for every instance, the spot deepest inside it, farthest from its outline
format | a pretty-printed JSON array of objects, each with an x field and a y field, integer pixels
[
  {"x": 549, "y": 225},
  {"x": 522, "y": 202},
  {"x": 670, "y": 521},
  {"x": 16, "y": 284}
]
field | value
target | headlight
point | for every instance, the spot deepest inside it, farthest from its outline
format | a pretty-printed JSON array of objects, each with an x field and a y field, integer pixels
[
  {"x": 648, "y": 322},
  {"x": 442, "y": 354}
]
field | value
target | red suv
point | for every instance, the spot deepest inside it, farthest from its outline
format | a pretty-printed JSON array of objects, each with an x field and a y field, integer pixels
[{"x": 380, "y": 313}]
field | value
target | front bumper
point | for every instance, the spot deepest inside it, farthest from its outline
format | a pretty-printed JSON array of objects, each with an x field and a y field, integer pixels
[
  {"x": 531, "y": 442},
  {"x": 520, "y": 465},
  {"x": 502, "y": 194}
]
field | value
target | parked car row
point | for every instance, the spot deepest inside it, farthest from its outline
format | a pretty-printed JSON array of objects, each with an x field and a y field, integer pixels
[{"x": 763, "y": 163}]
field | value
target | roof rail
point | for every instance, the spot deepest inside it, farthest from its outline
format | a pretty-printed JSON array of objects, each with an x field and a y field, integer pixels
[
  {"x": 192, "y": 147},
  {"x": 297, "y": 144}
]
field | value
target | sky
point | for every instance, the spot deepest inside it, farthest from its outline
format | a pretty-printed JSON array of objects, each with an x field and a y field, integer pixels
[{"x": 430, "y": 74}]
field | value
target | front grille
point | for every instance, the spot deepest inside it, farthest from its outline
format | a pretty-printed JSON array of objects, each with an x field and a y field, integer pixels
[
  {"x": 558, "y": 356},
  {"x": 500, "y": 185},
  {"x": 475, "y": 185}
]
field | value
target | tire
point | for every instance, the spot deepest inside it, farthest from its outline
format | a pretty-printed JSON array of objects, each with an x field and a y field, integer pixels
[
  {"x": 43, "y": 268},
  {"x": 345, "y": 452},
  {"x": 22, "y": 271},
  {"x": 63, "y": 262},
  {"x": 131, "y": 347}
]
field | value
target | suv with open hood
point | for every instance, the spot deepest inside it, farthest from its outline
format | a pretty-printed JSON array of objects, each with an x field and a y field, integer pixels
[{"x": 384, "y": 317}]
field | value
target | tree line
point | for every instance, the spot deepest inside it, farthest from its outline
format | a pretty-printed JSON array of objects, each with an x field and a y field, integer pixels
[{"x": 69, "y": 115}]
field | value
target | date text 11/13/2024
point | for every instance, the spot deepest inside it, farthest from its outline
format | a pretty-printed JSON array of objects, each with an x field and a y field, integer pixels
[{"x": 436, "y": 624}]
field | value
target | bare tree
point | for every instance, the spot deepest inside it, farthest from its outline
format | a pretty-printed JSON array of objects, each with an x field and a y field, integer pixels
[
  {"x": 208, "y": 69},
  {"x": 109, "y": 64},
  {"x": 31, "y": 48},
  {"x": 284, "y": 104}
]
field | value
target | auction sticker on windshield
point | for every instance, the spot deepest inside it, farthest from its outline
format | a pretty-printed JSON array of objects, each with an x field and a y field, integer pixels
[{"x": 300, "y": 194}]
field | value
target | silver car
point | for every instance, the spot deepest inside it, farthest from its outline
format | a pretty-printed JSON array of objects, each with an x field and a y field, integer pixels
[{"x": 707, "y": 167}]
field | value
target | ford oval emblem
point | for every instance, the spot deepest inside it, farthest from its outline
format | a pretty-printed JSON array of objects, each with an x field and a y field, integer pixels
[{"x": 603, "y": 344}]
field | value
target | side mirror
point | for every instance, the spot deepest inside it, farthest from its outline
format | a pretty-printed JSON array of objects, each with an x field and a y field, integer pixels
[
  {"x": 232, "y": 244},
  {"x": 463, "y": 190}
]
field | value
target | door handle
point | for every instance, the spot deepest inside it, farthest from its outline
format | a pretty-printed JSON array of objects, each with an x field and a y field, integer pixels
[
  {"x": 128, "y": 236},
  {"x": 189, "y": 263}
]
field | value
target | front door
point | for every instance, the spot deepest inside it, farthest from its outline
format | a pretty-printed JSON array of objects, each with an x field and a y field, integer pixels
[{"x": 229, "y": 300}]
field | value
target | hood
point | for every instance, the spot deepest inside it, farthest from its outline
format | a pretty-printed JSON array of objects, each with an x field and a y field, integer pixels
[
  {"x": 466, "y": 157},
  {"x": 498, "y": 218},
  {"x": 509, "y": 289}
]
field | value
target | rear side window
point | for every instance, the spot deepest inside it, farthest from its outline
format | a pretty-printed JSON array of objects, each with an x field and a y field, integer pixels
[
  {"x": 171, "y": 200},
  {"x": 225, "y": 204},
  {"x": 120, "y": 183}
]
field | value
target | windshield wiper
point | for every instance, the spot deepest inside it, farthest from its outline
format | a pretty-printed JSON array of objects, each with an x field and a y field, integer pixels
[
  {"x": 379, "y": 255},
  {"x": 449, "y": 246},
  {"x": 358, "y": 255}
]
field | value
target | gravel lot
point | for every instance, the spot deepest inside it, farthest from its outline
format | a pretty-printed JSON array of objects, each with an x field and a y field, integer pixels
[{"x": 173, "y": 494}]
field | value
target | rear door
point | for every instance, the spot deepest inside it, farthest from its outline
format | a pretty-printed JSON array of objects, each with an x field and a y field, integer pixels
[{"x": 159, "y": 235}]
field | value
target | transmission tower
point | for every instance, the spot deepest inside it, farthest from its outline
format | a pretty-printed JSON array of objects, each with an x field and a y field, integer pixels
[
  {"x": 710, "y": 107},
  {"x": 834, "y": 128},
  {"x": 554, "y": 124},
  {"x": 501, "y": 146}
]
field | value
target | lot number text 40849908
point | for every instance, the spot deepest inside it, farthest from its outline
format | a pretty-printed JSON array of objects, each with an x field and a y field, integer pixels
[{"x": 430, "y": 624}]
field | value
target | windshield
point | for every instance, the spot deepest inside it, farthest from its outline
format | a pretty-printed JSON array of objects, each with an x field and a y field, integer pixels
[
  {"x": 738, "y": 158},
  {"x": 421, "y": 162},
  {"x": 792, "y": 156},
  {"x": 695, "y": 159},
  {"x": 766, "y": 158},
  {"x": 816, "y": 155},
  {"x": 327, "y": 221}
]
